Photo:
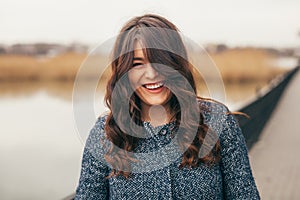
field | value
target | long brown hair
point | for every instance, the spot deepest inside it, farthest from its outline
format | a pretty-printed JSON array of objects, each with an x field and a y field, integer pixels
[{"x": 165, "y": 47}]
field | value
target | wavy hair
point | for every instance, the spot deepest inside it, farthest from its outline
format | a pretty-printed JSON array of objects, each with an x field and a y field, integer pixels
[{"x": 165, "y": 47}]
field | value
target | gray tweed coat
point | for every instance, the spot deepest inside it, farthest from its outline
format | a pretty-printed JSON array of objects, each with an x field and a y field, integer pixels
[{"x": 230, "y": 179}]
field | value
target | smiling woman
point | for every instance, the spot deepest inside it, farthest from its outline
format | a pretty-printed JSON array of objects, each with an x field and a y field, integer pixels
[{"x": 168, "y": 143}]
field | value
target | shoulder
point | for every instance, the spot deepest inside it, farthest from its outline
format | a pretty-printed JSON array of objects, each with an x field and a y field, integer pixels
[
  {"x": 100, "y": 122},
  {"x": 212, "y": 111},
  {"x": 218, "y": 117},
  {"x": 97, "y": 142},
  {"x": 98, "y": 128},
  {"x": 210, "y": 106}
]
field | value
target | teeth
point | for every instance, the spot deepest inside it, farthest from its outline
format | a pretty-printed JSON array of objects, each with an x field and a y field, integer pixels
[{"x": 154, "y": 86}]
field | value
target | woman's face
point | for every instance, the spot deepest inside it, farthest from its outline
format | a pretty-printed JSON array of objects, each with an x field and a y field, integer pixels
[{"x": 148, "y": 82}]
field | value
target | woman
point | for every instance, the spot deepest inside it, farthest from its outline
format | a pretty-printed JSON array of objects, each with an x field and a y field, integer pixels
[{"x": 159, "y": 140}]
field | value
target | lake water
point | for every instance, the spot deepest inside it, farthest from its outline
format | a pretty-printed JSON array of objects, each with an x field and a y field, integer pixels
[{"x": 40, "y": 149}]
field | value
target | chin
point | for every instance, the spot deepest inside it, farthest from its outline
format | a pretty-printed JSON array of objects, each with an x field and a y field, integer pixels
[
  {"x": 154, "y": 103},
  {"x": 156, "y": 100}
]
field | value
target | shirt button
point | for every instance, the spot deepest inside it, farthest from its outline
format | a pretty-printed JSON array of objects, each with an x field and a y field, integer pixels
[{"x": 163, "y": 132}]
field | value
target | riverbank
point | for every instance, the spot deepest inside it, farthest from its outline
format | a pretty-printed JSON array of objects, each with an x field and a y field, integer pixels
[{"x": 235, "y": 65}]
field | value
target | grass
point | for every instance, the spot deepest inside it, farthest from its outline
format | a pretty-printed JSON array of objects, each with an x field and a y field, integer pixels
[
  {"x": 19, "y": 67},
  {"x": 241, "y": 65}
]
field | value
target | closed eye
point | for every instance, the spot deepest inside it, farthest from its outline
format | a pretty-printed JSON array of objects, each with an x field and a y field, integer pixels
[
  {"x": 138, "y": 61},
  {"x": 137, "y": 64}
]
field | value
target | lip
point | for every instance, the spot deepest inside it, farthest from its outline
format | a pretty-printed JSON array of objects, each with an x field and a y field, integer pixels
[{"x": 156, "y": 90}]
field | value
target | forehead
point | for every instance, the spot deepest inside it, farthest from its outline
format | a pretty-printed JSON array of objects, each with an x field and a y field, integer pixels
[{"x": 138, "y": 50}]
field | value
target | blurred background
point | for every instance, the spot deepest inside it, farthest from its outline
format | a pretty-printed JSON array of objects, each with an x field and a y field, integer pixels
[{"x": 43, "y": 43}]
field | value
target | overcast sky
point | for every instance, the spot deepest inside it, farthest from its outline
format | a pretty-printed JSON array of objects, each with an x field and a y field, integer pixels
[{"x": 274, "y": 23}]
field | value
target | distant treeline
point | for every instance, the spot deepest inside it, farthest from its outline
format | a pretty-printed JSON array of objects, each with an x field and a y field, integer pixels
[
  {"x": 42, "y": 49},
  {"x": 52, "y": 49}
]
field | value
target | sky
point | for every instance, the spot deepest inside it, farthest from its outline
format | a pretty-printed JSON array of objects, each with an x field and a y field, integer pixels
[{"x": 262, "y": 23}]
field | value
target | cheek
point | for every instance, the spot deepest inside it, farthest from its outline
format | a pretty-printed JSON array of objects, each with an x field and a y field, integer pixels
[{"x": 134, "y": 78}]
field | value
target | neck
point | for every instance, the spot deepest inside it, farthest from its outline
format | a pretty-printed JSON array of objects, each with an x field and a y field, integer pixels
[{"x": 156, "y": 114}]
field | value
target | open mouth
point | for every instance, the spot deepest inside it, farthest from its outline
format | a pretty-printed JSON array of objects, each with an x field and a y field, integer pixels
[{"x": 154, "y": 86}]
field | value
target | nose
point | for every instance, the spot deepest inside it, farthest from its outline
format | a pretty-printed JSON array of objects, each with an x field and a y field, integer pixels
[{"x": 150, "y": 72}]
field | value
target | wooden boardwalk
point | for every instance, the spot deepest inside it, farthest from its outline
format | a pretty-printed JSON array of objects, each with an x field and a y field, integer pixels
[{"x": 274, "y": 158}]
